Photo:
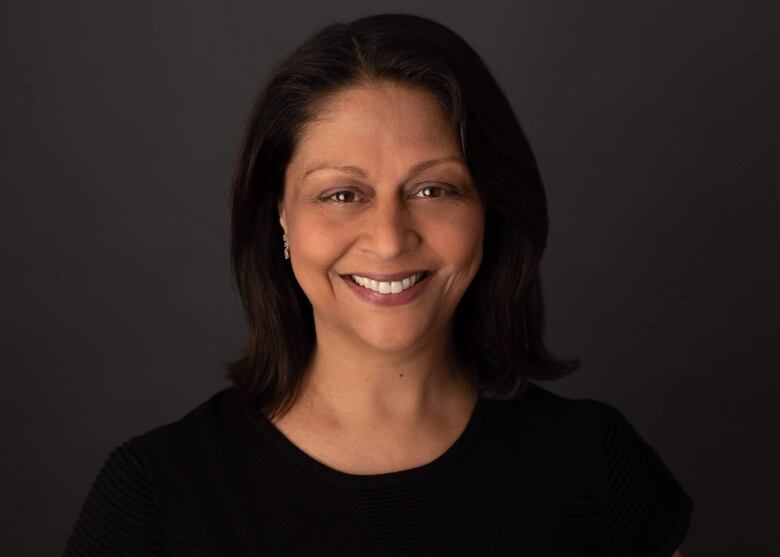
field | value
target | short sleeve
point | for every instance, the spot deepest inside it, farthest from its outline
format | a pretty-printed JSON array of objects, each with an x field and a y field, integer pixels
[
  {"x": 648, "y": 512},
  {"x": 118, "y": 516}
]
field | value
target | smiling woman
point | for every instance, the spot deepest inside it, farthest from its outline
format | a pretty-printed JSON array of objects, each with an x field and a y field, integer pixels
[
  {"x": 388, "y": 220},
  {"x": 394, "y": 202}
]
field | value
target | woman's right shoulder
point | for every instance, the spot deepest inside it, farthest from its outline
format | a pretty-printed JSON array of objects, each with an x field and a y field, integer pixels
[
  {"x": 197, "y": 428},
  {"x": 121, "y": 513}
]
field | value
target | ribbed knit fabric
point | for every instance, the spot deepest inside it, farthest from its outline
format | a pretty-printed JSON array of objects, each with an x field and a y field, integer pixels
[
  {"x": 542, "y": 475},
  {"x": 121, "y": 512}
]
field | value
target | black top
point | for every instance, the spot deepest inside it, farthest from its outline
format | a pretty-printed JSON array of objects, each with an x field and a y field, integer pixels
[{"x": 540, "y": 475}]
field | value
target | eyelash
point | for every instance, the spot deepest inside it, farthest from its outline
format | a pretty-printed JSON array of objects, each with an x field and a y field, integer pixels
[{"x": 445, "y": 192}]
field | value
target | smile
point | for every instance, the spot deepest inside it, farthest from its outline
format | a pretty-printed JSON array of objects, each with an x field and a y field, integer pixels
[
  {"x": 393, "y": 292},
  {"x": 388, "y": 287}
]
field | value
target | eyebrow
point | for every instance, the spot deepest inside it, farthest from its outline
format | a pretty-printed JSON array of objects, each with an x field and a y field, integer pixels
[{"x": 356, "y": 170}]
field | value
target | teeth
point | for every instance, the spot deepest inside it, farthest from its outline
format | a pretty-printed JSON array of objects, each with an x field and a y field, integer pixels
[{"x": 393, "y": 287}]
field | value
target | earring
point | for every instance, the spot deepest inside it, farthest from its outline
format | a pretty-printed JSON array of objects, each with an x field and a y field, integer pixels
[{"x": 286, "y": 247}]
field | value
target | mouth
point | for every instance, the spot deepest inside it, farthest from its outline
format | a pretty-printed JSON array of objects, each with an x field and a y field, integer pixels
[
  {"x": 389, "y": 284},
  {"x": 389, "y": 292}
]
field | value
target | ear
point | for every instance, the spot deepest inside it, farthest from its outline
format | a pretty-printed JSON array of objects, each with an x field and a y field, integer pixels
[{"x": 282, "y": 215}]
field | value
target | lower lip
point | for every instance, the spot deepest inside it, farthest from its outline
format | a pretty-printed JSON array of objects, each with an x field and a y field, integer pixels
[{"x": 389, "y": 299}]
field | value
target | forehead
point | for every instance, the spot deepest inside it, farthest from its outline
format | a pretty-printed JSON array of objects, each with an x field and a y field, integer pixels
[{"x": 376, "y": 124}]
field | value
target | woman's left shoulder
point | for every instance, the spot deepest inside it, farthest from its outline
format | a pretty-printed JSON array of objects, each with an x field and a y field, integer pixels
[
  {"x": 608, "y": 424},
  {"x": 645, "y": 509},
  {"x": 540, "y": 408}
]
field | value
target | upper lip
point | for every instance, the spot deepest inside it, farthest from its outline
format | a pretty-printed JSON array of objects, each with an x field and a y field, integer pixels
[{"x": 388, "y": 277}]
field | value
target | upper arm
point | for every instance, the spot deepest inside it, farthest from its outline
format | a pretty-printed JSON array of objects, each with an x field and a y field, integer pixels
[
  {"x": 648, "y": 511},
  {"x": 118, "y": 516}
]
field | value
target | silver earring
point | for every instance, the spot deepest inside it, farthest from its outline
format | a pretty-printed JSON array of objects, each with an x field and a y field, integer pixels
[{"x": 286, "y": 247}]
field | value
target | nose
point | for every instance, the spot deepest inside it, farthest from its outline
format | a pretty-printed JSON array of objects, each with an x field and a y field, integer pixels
[{"x": 390, "y": 229}]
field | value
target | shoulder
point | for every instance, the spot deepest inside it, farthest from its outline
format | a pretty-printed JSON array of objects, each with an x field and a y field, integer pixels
[
  {"x": 199, "y": 427},
  {"x": 619, "y": 488},
  {"x": 564, "y": 434},
  {"x": 195, "y": 452},
  {"x": 538, "y": 399},
  {"x": 647, "y": 509},
  {"x": 129, "y": 502},
  {"x": 544, "y": 412},
  {"x": 607, "y": 426},
  {"x": 119, "y": 514}
]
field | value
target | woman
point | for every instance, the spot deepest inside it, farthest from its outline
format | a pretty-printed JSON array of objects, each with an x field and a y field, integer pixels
[{"x": 387, "y": 224}]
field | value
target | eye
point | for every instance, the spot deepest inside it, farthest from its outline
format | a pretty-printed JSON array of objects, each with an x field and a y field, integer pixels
[
  {"x": 430, "y": 192},
  {"x": 341, "y": 197}
]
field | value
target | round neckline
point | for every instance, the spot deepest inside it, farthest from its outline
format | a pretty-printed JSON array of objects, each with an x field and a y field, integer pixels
[{"x": 385, "y": 479}]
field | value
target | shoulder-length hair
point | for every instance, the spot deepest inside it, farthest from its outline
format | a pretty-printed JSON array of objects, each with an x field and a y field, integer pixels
[{"x": 499, "y": 322}]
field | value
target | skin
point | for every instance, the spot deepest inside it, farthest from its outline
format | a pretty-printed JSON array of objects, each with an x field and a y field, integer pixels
[{"x": 390, "y": 369}]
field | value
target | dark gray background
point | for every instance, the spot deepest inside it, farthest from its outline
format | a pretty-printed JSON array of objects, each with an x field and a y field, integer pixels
[{"x": 655, "y": 126}]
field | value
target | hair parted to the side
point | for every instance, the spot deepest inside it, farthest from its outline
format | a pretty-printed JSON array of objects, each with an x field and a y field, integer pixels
[{"x": 499, "y": 322}]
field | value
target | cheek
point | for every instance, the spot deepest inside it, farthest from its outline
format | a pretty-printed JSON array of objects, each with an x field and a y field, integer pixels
[
  {"x": 458, "y": 239},
  {"x": 317, "y": 246}
]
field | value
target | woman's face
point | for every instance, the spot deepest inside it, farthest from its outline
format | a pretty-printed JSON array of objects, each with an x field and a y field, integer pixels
[{"x": 376, "y": 186}]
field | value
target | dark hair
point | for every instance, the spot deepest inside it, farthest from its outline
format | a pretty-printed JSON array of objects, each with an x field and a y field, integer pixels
[{"x": 499, "y": 321}]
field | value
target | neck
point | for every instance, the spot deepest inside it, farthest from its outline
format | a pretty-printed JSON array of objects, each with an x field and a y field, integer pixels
[{"x": 351, "y": 384}]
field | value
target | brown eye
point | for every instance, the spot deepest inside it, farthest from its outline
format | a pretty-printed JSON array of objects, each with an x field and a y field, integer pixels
[
  {"x": 344, "y": 196},
  {"x": 430, "y": 191}
]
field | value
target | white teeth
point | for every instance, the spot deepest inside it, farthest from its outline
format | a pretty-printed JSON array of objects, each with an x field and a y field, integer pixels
[{"x": 390, "y": 287}]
